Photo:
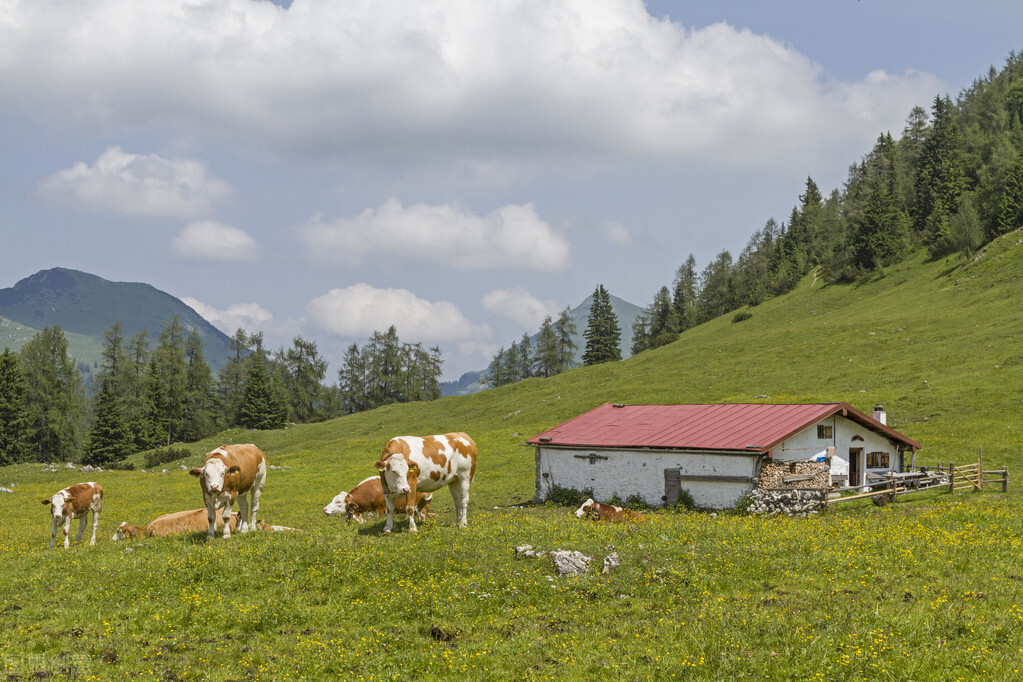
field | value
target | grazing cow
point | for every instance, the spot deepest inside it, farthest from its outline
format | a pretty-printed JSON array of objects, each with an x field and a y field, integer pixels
[
  {"x": 606, "y": 512},
  {"x": 75, "y": 502},
  {"x": 230, "y": 471},
  {"x": 367, "y": 498},
  {"x": 191, "y": 521},
  {"x": 410, "y": 465}
]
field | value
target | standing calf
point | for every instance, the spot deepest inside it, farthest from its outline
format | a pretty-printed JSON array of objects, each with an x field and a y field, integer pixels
[{"x": 75, "y": 502}]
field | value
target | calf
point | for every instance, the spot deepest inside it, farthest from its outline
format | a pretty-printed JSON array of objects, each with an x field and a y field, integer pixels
[
  {"x": 232, "y": 471},
  {"x": 75, "y": 502},
  {"x": 606, "y": 512},
  {"x": 410, "y": 465},
  {"x": 191, "y": 521},
  {"x": 368, "y": 498}
]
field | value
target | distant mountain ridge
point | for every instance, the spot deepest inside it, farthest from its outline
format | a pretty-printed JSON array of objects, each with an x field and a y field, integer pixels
[{"x": 84, "y": 306}]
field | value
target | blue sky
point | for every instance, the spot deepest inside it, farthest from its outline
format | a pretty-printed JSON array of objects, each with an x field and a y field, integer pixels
[{"x": 458, "y": 169}]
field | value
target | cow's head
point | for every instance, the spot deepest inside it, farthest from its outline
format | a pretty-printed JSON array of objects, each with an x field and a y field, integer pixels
[
  {"x": 337, "y": 506},
  {"x": 124, "y": 531},
  {"x": 212, "y": 474},
  {"x": 585, "y": 508},
  {"x": 60, "y": 505},
  {"x": 395, "y": 473}
]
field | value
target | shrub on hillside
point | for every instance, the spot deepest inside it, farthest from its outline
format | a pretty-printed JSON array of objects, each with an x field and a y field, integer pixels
[
  {"x": 568, "y": 497},
  {"x": 164, "y": 455}
]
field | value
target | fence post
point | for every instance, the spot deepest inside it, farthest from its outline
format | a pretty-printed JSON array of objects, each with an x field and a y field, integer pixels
[
  {"x": 951, "y": 477},
  {"x": 1005, "y": 479}
]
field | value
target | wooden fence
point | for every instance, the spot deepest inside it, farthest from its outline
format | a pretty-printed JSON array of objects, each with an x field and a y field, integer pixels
[{"x": 885, "y": 488}]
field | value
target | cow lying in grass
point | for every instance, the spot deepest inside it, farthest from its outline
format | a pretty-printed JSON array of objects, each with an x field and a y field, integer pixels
[
  {"x": 75, "y": 502},
  {"x": 367, "y": 499},
  {"x": 177, "y": 523},
  {"x": 599, "y": 511}
]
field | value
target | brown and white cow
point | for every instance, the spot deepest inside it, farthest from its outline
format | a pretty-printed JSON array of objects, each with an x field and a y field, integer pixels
[
  {"x": 175, "y": 523},
  {"x": 606, "y": 512},
  {"x": 410, "y": 465},
  {"x": 75, "y": 502},
  {"x": 230, "y": 471},
  {"x": 367, "y": 498}
]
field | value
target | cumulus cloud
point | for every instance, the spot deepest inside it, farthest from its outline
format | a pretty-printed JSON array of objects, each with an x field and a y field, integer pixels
[
  {"x": 512, "y": 237},
  {"x": 359, "y": 310},
  {"x": 519, "y": 305},
  {"x": 209, "y": 240},
  {"x": 618, "y": 234},
  {"x": 249, "y": 316},
  {"x": 479, "y": 80},
  {"x": 140, "y": 185}
]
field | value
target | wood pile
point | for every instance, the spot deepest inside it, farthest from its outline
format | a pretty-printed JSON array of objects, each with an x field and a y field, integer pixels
[{"x": 793, "y": 475}]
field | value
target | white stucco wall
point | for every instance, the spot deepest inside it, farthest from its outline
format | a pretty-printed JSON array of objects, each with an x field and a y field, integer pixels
[
  {"x": 641, "y": 472},
  {"x": 806, "y": 445}
]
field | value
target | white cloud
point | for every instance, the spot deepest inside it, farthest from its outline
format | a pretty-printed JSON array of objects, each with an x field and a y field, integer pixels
[
  {"x": 519, "y": 305},
  {"x": 248, "y": 316},
  {"x": 209, "y": 240},
  {"x": 618, "y": 234},
  {"x": 359, "y": 310},
  {"x": 511, "y": 237},
  {"x": 480, "y": 80},
  {"x": 134, "y": 184}
]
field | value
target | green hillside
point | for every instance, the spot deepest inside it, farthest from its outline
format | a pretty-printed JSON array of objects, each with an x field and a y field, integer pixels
[{"x": 927, "y": 588}]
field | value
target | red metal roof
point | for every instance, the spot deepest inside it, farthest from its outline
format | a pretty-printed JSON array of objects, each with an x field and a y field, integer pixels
[{"x": 754, "y": 427}]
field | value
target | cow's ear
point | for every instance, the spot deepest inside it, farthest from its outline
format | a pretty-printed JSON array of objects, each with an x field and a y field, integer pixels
[
  {"x": 47, "y": 500},
  {"x": 380, "y": 465},
  {"x": 195, "y": 472},
  {"x": 414, "y": 469}
]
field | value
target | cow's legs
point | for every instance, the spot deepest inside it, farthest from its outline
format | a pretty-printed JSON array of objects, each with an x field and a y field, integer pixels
[
  {"x": 257, "y": 491},
  {"x": 211, "y": 516},
  {"x": 53, "y": 533},
  {"x": 410, "y": 511},
  {"x": 95, "y": 520},
  {"x": 226, "y": 514},
  {"x": 389, "y": 503},
  {"x": 460, "y": 495},
  {"x": 67, "y": 529}
]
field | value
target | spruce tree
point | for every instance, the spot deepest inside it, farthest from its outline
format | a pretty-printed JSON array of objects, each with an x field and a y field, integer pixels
[
  {"x": 305, "y": 369},
  {"x": 56, "y": 399},
  {"x": 14, "y": 418},
  {"x": 201, "y": 415},
  {"x": 1010, "y": 208},
  {"x": 603, "y": 335},
  {"x": 564, "y": 330},
  {"x": 110, "y": 439},
  {"x": 264, "y": 408}
]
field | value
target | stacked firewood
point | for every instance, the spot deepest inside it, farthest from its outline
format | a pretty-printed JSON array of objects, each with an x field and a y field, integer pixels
[{"x": 792, "y": 475}]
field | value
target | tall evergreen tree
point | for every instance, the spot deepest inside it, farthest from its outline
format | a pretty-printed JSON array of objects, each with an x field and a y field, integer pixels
[
  {"x": 264, "y": 408},
  {"x": 1010, "y": 208},
  {"x": 305, "y": 370},
  {"x": 137, "y": 407},
  {"x": 232, "y": 376},
  {"x": 201, "y": 415},
  {"x": 684, "y": 293},
  {"x": 603, "y": 335},
  {"x": 941, "y": 179},
  {"x": 564, "y": 332},
  {"x": 172, "y": 371},
  {"x": 109, "y": 439},
  {"x": 351, "y": 379},
  {"x": 56, "y": 398},
  {"x": 14, "y": 416}
]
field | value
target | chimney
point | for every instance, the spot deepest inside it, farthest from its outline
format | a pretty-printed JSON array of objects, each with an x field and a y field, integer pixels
[{"x": 879, "y": 414}]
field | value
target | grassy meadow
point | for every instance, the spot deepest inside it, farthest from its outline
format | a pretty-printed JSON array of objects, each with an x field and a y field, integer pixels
[{"x": 926, "y": 589}]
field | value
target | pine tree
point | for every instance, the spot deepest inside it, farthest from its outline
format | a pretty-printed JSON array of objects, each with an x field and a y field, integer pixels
[
  {"x": 305, "y": 369},
  {"x": 14, "y": 417},
  {"x": 1010, "y": 208},
  {"x": 172, "y": 370},
  {"x": 201, "y": 416},
  {"x": 684, "y": 297},
  {"x": 55, "y": 397},
  {"x": 137, "y": 407},
  {"x": 546, "y": 356},
  {"x": 942, "y": 178},
  {"x": 109, "y": 440},
  {"x": 263, "y": 408},
  {"x": 564, "y": 331},
  {"x": 231, "y": 379},
  {"x": 603, "y": 335},
  {"x": 351, "y": 379}
]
